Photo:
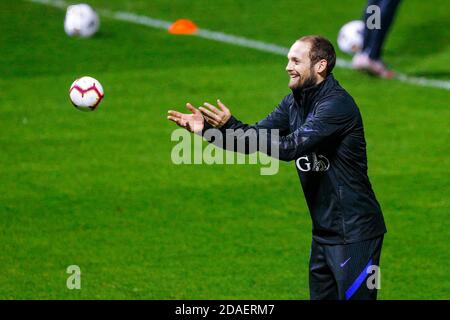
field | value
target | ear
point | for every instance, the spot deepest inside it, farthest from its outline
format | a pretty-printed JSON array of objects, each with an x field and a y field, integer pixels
[{"x": 321, "y": 66}]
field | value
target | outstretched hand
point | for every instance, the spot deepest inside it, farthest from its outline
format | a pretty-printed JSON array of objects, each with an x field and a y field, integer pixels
[
  {"x": 193, "y": 122},
  {"x": 216, "y": 117}
]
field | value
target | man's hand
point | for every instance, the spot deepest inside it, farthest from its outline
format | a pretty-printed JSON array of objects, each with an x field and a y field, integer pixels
[
  {"x": 215, "y": 117},
  {"x": 191, "y": 122}
]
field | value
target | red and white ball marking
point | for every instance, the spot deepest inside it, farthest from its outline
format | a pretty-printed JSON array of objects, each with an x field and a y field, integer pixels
[{"x": 86, "y": 93}]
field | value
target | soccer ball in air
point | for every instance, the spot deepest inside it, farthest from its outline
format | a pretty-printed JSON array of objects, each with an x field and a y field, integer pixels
[
  {"x": 350, "y": 39},
  {"x": 86, "y": 93},
  {"x": 81, "y": 21}
]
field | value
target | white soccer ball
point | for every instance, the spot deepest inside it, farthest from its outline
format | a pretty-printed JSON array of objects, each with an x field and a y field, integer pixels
[
  {"x": 350, "y": 38},
  {"x": 86, "y": 93},
  {"x": 81, "y": 21}
]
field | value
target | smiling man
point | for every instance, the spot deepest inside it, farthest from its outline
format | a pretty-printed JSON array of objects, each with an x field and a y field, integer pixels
[{"x": 321, "y": 130}]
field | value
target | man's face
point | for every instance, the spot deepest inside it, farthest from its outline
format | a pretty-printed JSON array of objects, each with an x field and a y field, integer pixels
[{"x": 301, "y": 73}]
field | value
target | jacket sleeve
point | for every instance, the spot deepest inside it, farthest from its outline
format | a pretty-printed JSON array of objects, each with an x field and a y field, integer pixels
[
  {"x": 277, "y": 119},
  {"x": 331, "y": 118}
]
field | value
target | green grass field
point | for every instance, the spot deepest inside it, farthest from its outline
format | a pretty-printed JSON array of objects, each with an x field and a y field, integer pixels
[{"x": 99, "y": 189}]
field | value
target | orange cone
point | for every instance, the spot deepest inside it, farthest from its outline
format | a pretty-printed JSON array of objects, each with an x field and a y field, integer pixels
[{"x": 183, "y": 26}]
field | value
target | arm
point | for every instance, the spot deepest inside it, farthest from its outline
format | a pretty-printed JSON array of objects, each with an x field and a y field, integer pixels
[
  {"x": 330, "y": 119},
  {"x": 277, "y": 119}
]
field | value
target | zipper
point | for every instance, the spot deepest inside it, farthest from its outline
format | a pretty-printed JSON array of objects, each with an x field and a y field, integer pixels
[{"x": 340, "y": 195}]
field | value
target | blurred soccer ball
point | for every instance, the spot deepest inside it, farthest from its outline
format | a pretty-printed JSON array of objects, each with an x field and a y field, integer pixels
[
  {"x": 81, "y": 21},
  {"x": 350, "y": 38},
  {"x": 86, "y": 93}
]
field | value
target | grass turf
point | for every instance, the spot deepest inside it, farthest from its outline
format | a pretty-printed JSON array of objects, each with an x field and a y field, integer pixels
[{"x": 99, "y": 190}]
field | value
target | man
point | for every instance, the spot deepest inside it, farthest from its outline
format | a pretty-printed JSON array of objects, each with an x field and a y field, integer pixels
[
  {"x": 321, "y": 129},
  {"x": 369, "y": 59}
]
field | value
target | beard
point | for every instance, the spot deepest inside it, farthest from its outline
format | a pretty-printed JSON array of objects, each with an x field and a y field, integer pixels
[
  {"x": 308, "y": 82},
  {"x": 311, "y": 81}
]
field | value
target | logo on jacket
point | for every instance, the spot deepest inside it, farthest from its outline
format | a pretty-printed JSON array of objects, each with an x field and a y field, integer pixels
[{"x": 312, "y": 162}]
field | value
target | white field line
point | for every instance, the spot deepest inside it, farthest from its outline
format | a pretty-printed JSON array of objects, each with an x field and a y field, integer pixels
[{"x": 235, "y": 40}]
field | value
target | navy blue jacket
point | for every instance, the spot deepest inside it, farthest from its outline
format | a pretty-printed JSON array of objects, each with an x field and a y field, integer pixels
[{"x": 322, "y": 131}]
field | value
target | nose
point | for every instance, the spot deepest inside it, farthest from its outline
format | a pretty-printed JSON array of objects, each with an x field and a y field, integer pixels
[{"x": 289, "y": 66}]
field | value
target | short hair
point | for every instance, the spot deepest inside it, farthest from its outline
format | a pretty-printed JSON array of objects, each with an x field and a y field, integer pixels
[{"x": 321, "y": 48}]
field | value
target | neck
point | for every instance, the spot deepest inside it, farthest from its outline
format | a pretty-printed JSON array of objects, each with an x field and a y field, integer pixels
[{"x": 320, "y": 79}]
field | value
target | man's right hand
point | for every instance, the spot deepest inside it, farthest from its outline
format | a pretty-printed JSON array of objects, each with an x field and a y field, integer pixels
[{"x": 193, "y": 122}]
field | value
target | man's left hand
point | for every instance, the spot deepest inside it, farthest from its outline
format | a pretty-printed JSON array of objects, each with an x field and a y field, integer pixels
[{"x": 216, "y": 117}]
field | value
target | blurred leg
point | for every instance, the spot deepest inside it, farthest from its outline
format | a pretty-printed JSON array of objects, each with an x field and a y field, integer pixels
[
  {"x": 368, "y": 34},
  {"x": 374, "y": 39}
]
